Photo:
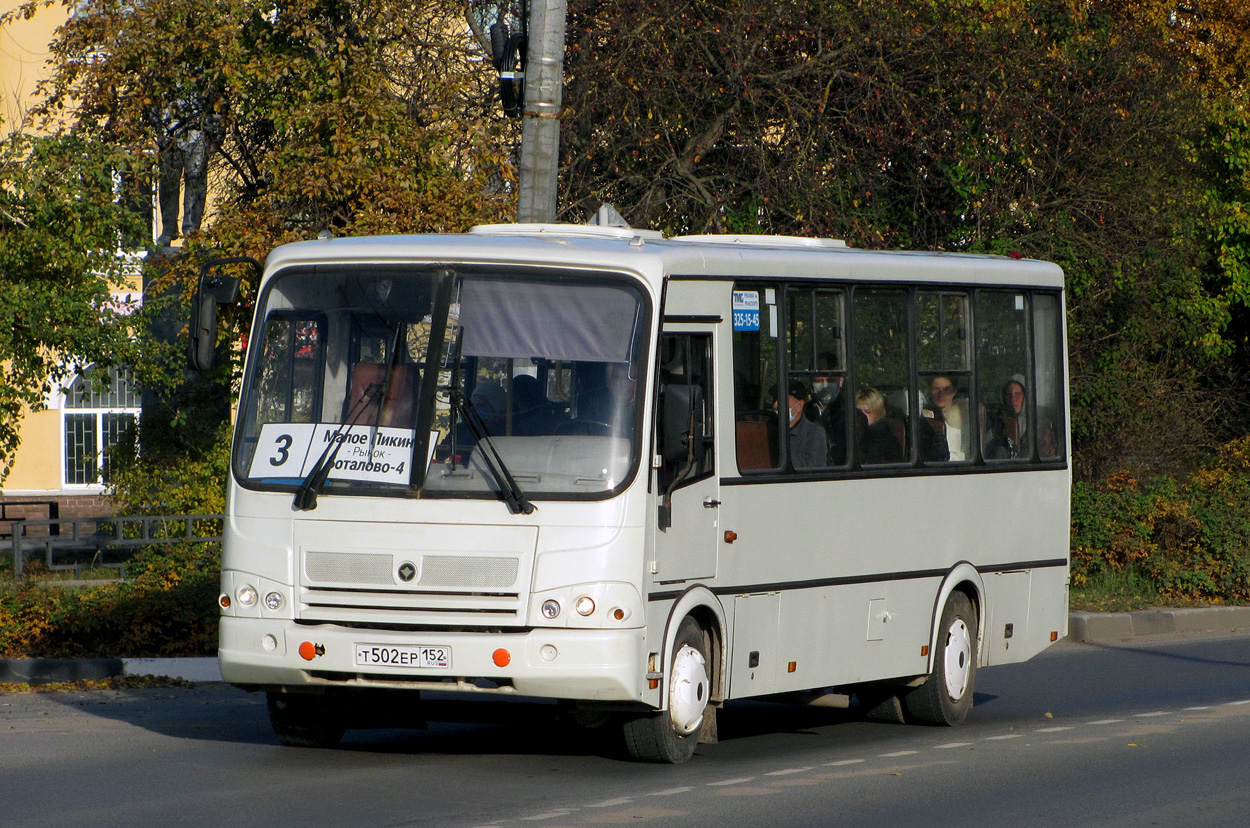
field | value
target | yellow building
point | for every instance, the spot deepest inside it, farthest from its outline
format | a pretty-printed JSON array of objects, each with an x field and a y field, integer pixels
[
  {"x": 23, "y": 59},
  {"x": 57, "y": 470}
]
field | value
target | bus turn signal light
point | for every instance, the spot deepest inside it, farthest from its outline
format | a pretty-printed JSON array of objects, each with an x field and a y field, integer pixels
[
  {"x": 308, "y": 651},
  {"x": 501, "y": 657}
]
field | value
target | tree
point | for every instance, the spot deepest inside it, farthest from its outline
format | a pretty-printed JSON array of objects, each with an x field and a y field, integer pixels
[
  {"x": 1063, "y": 130},
  {"x": 355, "y": 117},
  {"x": 62, "y": 217}
]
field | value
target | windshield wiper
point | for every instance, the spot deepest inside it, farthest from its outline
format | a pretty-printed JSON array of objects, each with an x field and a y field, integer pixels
[
  {"x": 310, "y": 487},
  {"x": 306, "y": 494},
  {"x": 508, "y": 489}
]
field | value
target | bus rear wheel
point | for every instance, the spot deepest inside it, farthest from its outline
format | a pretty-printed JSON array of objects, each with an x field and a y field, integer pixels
[
  {"x": 946, "y": 697},
  {"x": 671, "y": 734},
  {"x": 306, "y": 720}
]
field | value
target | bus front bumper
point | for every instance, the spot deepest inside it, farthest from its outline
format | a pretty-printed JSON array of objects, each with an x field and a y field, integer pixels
[{"x": 592, "y": 665}]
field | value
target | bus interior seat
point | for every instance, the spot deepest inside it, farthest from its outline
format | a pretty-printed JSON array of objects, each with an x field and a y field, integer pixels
[{"x": 756, "y": 440}]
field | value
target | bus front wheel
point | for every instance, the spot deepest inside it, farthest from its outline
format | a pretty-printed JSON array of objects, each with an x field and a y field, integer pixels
[
  {"x": 306, "y": 720},
  {"x": 671, "y": 734},
  {"x": 945, "y": 698}
]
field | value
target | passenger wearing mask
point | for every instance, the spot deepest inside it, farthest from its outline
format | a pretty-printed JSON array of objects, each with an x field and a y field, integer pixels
[
  {"x": 829, "y": 406},
  {"x": 808, "y": 447}
]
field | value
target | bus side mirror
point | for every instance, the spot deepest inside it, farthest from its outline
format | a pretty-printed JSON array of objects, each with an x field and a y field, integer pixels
[
  {"x": 214, "y": 289},
  {"x": 203, "y": 331}
]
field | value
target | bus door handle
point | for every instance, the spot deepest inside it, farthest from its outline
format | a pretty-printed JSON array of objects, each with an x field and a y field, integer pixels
[{"x": 710, "y": 503}]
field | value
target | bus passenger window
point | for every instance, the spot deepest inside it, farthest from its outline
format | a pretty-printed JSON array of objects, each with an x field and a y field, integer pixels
[
  {"x": 1048, "y": 374},
  {"x": 815, "y": 319},
  {"x": 755, "y": 373},
  {"x": 883, "y": 396},
  {"x": 943, "y": 341},
  {"x": 1003, "y": 367}
]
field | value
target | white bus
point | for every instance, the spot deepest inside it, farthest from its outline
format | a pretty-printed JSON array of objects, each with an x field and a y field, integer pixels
[{"x": 642, "y": 476}]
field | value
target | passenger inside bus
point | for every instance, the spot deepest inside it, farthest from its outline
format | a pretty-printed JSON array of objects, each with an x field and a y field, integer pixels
[
  {"x": 829, "y": 405},
  {"x": 808, "y": 446},
  {"x": 1009, "y": 433},
  {"x": 875, "y": 439},
  {"x": 946, "y": 433}
]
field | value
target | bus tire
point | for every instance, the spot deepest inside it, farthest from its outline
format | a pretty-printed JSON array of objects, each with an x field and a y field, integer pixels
[
  {"x": 670, "y": 735},
  {"x": 306, "y": 720},
  {"x": 946, "y": 697}
]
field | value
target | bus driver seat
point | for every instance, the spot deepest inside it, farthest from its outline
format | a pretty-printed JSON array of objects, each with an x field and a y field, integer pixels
[{"x": 396, "y": 408}]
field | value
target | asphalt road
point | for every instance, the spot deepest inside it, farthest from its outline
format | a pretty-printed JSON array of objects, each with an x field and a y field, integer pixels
[{"x": 1136, "y": 734}]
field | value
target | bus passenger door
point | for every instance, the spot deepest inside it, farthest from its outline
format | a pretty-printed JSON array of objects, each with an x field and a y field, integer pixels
[{"x": 686, "y": 484}]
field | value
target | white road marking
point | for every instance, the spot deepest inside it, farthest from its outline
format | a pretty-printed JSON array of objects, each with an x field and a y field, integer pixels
[{"x": 541, "y": 817}]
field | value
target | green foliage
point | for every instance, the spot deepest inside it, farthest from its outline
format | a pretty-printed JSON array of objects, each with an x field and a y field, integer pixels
[
  {"x": 1189, "y": 538},
  {"x": 1060, "y": 129},
  {"x": 167, "y": 608},
  {"x": 62, "y": 216}
]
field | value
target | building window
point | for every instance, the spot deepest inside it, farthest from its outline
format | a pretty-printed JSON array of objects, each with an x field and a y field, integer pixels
[{"x": 101, "y": 410}]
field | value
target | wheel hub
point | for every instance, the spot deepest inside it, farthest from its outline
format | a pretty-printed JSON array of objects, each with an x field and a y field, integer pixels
[
  {"x": 688, "y": 691},
  {"x": 958, "y": 661}
]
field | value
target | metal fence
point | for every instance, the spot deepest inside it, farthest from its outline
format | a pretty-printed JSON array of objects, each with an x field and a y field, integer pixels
[{"x": 79, "y": 544}]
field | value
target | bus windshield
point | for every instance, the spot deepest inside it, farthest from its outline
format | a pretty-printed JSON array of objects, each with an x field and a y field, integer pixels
[{"x": 445, "y": 381}]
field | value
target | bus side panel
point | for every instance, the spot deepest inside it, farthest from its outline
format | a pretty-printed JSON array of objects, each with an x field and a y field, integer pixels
[{"x": 858, "y": 564}]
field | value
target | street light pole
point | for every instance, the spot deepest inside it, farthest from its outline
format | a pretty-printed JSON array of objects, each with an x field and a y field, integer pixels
[{"x": 540, "y": 125}]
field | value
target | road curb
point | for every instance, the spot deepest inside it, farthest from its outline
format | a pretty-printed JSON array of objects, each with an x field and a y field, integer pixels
[
  {"x": 1121, "y": 626},
  {"x": 1087, "y": 627},
  {"x": 49, "y": 670}
]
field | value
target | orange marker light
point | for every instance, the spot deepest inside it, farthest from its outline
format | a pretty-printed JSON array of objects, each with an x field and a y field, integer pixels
[
  {"x": 730, "y": 536},
  {"x": 924, "y": 651},
  {"x": 308, "y": 651},
  {"x": 501, "y": 657},
  {"x": 794, "y": 665},
  {"x": 1054, "y": 635},
  {"x": 224, "y": 600}
]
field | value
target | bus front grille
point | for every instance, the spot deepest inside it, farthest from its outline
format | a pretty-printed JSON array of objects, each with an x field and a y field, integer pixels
[{"x": 383, "y": 606}]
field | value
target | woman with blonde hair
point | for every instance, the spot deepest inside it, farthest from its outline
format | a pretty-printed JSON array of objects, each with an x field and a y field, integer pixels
[{"x": 875, "y": 439}]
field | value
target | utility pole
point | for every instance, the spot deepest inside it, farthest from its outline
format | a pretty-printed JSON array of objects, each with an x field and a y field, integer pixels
[{"x": 540, "y": 125}]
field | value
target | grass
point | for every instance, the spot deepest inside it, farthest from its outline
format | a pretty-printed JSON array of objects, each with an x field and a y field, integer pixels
[{"x": 1122, "y": 591}]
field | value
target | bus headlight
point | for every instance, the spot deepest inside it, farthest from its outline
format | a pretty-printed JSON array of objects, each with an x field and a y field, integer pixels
[
  {"x": 246, "y": 595},
  {"x": 585, "y": 605},
  {"x": 551, "y": 609},
  {"x": 274, "y": 601}
]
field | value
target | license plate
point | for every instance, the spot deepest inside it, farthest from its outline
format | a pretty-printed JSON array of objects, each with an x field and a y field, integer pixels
[{"x": 390, "y": 655}]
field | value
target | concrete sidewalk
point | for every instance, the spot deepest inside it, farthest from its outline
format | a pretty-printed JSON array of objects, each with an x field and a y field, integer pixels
[{"x": 1092, "y": 627}]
